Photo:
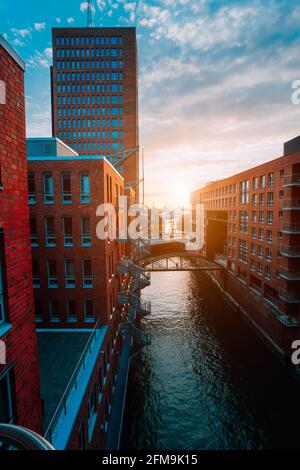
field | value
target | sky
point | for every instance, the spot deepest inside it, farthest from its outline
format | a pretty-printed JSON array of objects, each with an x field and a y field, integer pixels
[{"x": 215, "y": 80}]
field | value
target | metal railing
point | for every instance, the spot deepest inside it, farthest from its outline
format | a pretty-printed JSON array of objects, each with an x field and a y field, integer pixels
[
  {"x": 290, "y": 251},
  {"x": 290, "y": 297},
  {"x": 292, "y": 180},
  {"x": 291, "y": 227},
  {"x": 291, "y": 204},
  {"x": 142, "y": 306},
  {"x": 291, "y": 274},
  {"x": 62, "y": 406}
]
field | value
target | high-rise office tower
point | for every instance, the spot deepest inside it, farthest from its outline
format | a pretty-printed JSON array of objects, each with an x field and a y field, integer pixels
[{"x": 95, "y": 94}]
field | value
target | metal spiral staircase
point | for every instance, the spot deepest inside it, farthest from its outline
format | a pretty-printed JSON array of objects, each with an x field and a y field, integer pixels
[{"x": 138, "y": 279}]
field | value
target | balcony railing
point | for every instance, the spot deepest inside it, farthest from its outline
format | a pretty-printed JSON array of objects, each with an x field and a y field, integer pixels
[
  {"x": 63, "y": 406},
  {"x": 290, "y": 251},
  {"x": 291, "y": 204},
  {"x": 291, "y": 227},
  {"x": 142, "y": 307},
  {"x": 291, "y": 274},
  {"x": 142, "y": 277},
  {"x": 291, "y": 180},
  {"x": 289, "y": 297}
]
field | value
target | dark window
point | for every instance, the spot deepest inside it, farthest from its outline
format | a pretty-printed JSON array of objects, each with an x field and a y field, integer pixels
[
  {"x": 50, "y": 231},
  {"x": 38, "y": 309},
  {"x": 71, "y": 310},
  {"x": 36, "y": 273},
  {"x": 86, "y": 231},
  {"x": 69, "y": 273},
  {"x": 66, "y": 188},
  {"x": 31, "y": 188},
  {"x": 33, "y": 232},
  {"x": 92, "y": 407},
  {"x": 68, "y": 231},
  {"x": 87, "y": 273},
  {"x": 48, "y": 188},
  {"x": 7, "y": 397},
  {"x": 53, "y": 310},
  {"x": 89, "y": 310},
  {"x": 3, "y": 313},
  {"x": 52, "y": 273},
  {"x": 81, "y": 437}
]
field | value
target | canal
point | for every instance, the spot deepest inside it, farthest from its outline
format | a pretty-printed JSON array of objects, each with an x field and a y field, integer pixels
[{"x": 207, "y": 381}]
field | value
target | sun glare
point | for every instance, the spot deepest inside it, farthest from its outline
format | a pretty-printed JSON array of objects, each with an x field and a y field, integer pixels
[{"x": 179, "y": 194}]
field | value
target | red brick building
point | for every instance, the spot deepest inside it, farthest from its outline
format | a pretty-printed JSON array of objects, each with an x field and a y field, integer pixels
[
  {"x": 19, "y": 377},
  {"x": 252, "y": 228},
  {"x": 76, "y": 288},
  {"x": 74, "y": 272},
  {"x": 94, "y": 93}
]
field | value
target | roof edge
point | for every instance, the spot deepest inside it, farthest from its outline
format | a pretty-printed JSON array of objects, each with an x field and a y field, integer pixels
[{"x": 11, "y": 51}]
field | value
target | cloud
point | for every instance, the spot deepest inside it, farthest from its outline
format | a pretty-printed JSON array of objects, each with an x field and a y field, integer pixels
[
  {"x": 220, "y": 103},
  {"x": 214, "y": 84},
  {"x": 70, "y": 20},
  {"x": 40, "y": 121},
  {"x": 84, "y": 7},
  {"x": 130, "y": 8},
  {"x": 18, "y": 42},
  {"x": 39, "y": 26},
  {"x": 48, "y": 52},
  {"x": 58, "y": 20},
  {"x": 40, "y": 59},
  {"x": 101, "y": 4},
  {"x": 24, "y": 33}
]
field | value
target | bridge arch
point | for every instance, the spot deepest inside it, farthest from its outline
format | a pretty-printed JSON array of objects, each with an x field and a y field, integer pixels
[{"x": 179, "y": 261}]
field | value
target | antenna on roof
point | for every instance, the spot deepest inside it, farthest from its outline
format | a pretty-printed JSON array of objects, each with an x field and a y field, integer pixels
[{"x": 90, "y": 23}]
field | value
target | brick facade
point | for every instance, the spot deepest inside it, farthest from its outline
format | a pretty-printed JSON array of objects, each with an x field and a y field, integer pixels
[
  {"x": 20, "y": 340},
  {"x": 104, "y": 254},
  {"x": 252, "y": 227}
]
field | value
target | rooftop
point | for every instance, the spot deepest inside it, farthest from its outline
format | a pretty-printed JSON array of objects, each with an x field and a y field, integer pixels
[
  {"x": 48, "y": 146},
  {"x": 67, "y": 360},
  {"x": 59, "y": 354}
]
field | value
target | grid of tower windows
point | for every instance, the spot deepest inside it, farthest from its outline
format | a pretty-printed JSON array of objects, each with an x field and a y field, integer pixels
[{"x": 79, "y": 69}]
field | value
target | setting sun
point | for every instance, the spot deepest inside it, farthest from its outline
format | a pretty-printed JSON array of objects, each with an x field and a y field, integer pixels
[{"x": 179, "y": 193}]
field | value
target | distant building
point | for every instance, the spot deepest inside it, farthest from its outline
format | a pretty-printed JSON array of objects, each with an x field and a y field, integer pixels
[
  {"x": 20, "y": 401},
  {"x": 94, "y": 94},
  {"x": 252, "y": 228}
]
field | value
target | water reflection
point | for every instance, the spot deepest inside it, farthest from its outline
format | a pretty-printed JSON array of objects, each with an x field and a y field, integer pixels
[{"x": 207, "y": 381}]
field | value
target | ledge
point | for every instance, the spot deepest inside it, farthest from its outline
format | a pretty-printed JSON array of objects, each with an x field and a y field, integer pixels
[
  {"x": 14, "y": 55},
  {"x": 5, "y": 328}
]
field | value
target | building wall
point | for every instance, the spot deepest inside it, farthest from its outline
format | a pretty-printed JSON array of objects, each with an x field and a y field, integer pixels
[
  {"x": 20, "y": 340},
  {"x": 104, "y": 254},
  {"x": 103, "y": 379},
  {"x": 126, "y": 68},
  {"x": 263, "y": 274}
]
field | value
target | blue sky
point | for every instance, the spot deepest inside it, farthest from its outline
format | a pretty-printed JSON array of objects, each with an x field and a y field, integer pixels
[{"x": 214, "y": 79}]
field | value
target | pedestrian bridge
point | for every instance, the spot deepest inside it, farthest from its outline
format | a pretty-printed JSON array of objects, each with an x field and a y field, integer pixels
[
  {"x": 181, "y": 261},
  {"x": 172, "y": 255}
]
